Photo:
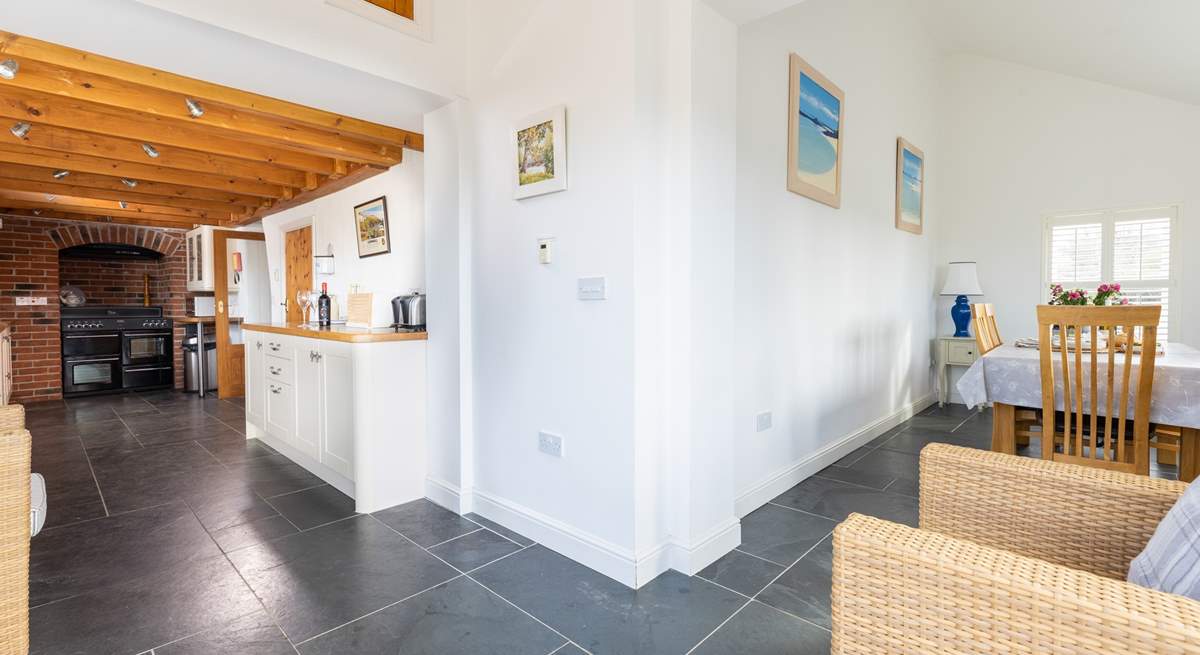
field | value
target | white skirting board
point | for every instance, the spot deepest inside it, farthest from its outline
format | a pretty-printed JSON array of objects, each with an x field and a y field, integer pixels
[{"x": 801, "y": 470}]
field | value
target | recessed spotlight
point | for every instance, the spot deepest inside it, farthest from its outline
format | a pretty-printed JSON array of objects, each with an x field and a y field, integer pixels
[
  {"x": 51, "y": 197},
  {"x": 150, "y": 151},
  {"x": 128, "y": 182},
  {"x": 194, "y": 108},
  {"x": 58, "y": 175},
  {"x": 122, "y": 204},
  {"x": 37, "y": 212},
  {"x": 9, "y": 68},
  {"x": 19, "y": 130}
]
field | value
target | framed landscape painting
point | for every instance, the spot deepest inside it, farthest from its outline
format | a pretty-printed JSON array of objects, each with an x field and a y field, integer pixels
[
  {"x": 816, "y": 108},
  {"x": 371, "y": 225},
  {"x": 910, "y": 187},
  {"x": 540, "y": 150}
]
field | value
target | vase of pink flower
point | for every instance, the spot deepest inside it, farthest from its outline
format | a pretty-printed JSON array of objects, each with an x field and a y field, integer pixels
[{"x": 1106, "y": 294}]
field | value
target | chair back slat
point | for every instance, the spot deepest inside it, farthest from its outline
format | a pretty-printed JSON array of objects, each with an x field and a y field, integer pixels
[
  {"x": 1096, "y": 431},
  {"x": 983, "y": 319}
]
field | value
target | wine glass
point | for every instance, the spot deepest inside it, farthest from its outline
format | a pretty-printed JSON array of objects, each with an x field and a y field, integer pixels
[{"x": 304, "y": 300}]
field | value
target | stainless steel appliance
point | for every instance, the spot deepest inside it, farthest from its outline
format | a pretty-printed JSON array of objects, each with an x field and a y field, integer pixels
[
  {"x": 191, "y": 363},
  {"x": 409, "y": 311},
  {"x": 111, "y": 347}
]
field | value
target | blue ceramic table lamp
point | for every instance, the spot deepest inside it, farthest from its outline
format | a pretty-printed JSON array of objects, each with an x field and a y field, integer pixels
[{"x": 962, "y": 280}]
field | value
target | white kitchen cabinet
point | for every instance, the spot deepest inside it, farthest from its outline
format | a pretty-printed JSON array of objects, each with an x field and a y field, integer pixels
[
  {"x": 281, "y": 410},
  {"x": 309, "y": 399},
  {"x": 5, "y": 365},
  {"x": 336, "y": 366},
  {"x": 256, "y": 384},
  {"x": 199, "y": 258}
]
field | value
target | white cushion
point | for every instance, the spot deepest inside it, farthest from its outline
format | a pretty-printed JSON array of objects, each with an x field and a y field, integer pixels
[{"x": 37, "y": 503}]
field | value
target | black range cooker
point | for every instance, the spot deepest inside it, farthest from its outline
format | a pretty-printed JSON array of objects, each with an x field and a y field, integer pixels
[{"x": 116, "y": 347}]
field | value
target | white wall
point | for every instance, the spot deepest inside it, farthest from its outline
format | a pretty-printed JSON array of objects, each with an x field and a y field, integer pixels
[
  {"x": 834, "y": 306},
  {"x": 1025, "y": 143},
  {"x": 332, "y": 218}
]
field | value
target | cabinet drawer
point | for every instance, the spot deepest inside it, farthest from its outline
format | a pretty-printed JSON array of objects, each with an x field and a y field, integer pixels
[
  {"x": 281, "y": 409},
  {"x": 961, "y": 353},
  {"x": 277, "y": 346},
  {"x": 279, "y": 369}
]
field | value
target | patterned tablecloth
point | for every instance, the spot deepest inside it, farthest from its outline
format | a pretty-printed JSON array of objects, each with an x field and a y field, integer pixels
[{"x": 1013, "y": 376}]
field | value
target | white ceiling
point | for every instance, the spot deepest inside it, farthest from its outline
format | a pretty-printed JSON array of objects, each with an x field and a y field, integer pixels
[{"x": 1145, "y": 45}]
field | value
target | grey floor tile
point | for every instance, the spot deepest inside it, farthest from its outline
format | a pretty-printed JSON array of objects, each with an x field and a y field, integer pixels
[
  {"x": 314, "y": 581},
  {"x": 425, "y": 523},
  {"x": 740, "y": 572},
  {"x": 253, "y": 634},
  {"x": 152, "y": 476},
  {"x": 137, "y": 614},
  {"x": 670, "y": 614},
  {"x": 236, "y": 448},
  {"x": 456, "y": 618},
  {"x": 763, "y": 630},
  {"x": 71, "y": 492},
  {"x": 312, "y": 507},
  {"x": 804, "y": 589},
  {"x": 854, "y": 456},
  {"x": 570, "y": 649},
  {"x": 253, "y": 533},
  {"x": 273, "y": 475},
  {"x": 86, "y": 556},
  {"x": 837, "y": 500},
  {"x": 237, "y": 504},
  {"x": 511, "y": 535},
  {"x": 902, "y": 468},
  {"x": 150, "y": 423},
  {"x": 782, "y": 535},
  {"x": 473, "y": 550},
  {"x": 862, "y": 476},
  {"x": 215, "y": 430}
]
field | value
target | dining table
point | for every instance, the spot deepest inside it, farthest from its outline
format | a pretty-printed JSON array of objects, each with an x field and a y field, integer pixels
[{"x": 1009, "y": 377}]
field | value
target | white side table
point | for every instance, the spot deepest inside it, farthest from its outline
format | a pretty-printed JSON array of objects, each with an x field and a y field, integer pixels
[{"x": 953, "y": 351}]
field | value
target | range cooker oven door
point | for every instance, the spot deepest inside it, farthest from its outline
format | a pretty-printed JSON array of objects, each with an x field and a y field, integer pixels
[
  {"x": 146, "y": 348},
  {"x": 87, "y": 374},
  {"x": 91, "y": 344},
  {"x": 146, "y": 377}
]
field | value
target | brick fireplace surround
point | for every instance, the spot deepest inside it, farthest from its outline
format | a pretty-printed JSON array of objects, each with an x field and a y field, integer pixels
[{"x": 29, "y": 266}]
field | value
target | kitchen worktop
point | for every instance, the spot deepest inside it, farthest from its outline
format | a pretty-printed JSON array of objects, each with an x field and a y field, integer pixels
[
  {"x": 338, "y": 332},
  {"x": 207, "y": 320}
]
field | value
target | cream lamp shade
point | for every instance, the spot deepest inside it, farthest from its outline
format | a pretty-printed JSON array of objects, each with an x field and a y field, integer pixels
[{"x": 962, "y": 279}]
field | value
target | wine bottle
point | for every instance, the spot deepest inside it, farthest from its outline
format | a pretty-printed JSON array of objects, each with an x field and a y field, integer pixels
[{"x": 323, "y": 306}]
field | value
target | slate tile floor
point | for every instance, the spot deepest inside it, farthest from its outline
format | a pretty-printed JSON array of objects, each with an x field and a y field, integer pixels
[{"x": 170, "y": 534}]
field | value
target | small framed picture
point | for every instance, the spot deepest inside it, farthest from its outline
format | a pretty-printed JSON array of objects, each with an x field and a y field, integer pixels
[
  {"x": 371, "y": 223},
  {"x": 816, "y": 126},
  {"x": 540, "y": 148},
  {"x": 910, "y": 187}
]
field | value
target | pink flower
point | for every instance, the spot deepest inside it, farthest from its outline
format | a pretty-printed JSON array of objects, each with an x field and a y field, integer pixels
[
  {"x": 1074, "y": 295},
  {"x": 1124, "y": 301},
  {"x": 1103, "y": 288},
  {"x": 1116, "y": 287}
]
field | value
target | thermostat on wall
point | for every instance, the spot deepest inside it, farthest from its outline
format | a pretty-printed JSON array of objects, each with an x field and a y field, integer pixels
[{"x": 545, "y": 251}]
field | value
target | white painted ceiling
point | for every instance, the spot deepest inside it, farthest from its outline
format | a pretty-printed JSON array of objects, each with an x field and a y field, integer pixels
[{"x": 1151, "y": 46}]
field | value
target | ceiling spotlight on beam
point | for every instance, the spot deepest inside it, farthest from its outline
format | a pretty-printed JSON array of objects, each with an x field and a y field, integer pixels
[
  {"x": 58, "y": 175},
  {"x": 19, "y": 130},
  {"x": 123, "y": 204},
  {"x": 150, "y": 151},
  {"x": 37, "y": 212},
  {"x": 194, "y": 108},
  {"x": 51, "y": 197},
  {"x": 9, "y": 68},
  {"x": 129, "y": 183}
]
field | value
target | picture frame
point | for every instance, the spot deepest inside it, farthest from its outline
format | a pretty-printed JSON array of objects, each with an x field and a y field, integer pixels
[
  {"x": 371, "y": 228},
  {"x": 910, "y": 187},
  {"x": 539, "y": 147},
  {"x": 816, "y": 130}
]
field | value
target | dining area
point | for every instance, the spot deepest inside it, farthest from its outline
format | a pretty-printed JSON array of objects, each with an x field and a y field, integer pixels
[{"x": 1096, "y": 387}]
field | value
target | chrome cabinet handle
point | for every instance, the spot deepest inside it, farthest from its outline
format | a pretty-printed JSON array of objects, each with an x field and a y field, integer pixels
[
  {"x": 276, "y": 390},
  {"x": 273, "y": 370},
  {"x": 274, "y": 346},
  {"x": 314, "y": 356},
  {"x": 259, "y": 345}
]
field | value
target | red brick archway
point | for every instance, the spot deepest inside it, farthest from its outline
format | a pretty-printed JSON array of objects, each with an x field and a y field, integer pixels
[{"x": 130, "y": 235}]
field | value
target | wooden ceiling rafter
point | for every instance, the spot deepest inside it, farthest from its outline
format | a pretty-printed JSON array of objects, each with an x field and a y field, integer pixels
[
  {"x": 170, "y": 148},
  {"x": 57, "y": 215}
]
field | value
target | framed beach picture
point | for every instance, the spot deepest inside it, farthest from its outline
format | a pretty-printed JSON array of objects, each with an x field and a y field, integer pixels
[
  {"x": 910, "y": 187},
  {"x": 816, "y": 109},
  {"x": 371, "y": 224},
  {"x": 540, "y": 149}
]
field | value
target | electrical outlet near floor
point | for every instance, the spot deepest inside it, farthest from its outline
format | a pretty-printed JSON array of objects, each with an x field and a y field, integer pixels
[
  {"x": 551, "y": 444},
  {"x": 763, "y": 421}
]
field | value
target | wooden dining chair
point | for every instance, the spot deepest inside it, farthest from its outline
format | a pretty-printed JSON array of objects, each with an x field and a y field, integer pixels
[
  {"x": 983, "y": 319},
  {"x": 1106, "y": 435}
]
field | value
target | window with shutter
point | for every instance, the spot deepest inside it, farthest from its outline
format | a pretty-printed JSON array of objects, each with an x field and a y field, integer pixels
[{"x": 1132, "y": 247}]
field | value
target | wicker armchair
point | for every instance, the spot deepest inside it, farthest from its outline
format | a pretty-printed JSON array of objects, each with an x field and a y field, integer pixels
[
  {"x": 1014, "y": 555},
  {"x": 15, "y": 452}
]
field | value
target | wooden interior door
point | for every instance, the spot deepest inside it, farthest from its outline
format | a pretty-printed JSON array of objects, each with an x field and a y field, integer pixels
[
  {"x": 297, "y": 256},
  {"x": 231, "y": 357}
]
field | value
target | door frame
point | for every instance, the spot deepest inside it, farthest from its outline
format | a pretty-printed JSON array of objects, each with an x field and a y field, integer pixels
[
  {"x": 279, "y": 273},
  {"x": 227, "y": 352}
]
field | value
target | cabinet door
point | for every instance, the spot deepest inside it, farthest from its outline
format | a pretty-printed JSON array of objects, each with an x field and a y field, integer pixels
[
  {"x": 281, "y": 411},
  {"x": 337, "y": 407},
  {"x": 308, "y": 398},
  {"x": 5, "y": 368},
  {"x": 256, "y": 385}
]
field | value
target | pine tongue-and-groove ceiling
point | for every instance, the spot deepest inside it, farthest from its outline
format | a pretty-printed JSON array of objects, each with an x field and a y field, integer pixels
[{"x": 96, "y": 139}]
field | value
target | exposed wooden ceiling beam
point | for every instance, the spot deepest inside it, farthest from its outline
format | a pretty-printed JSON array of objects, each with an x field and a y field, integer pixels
[
  {"x": 91, "y": 218},
  {"x": 14, "y": 45},
  {"x": 48, "y": 137},
  {"x": 80, "y": 180},
  {"x": 41, "y": 109},
  {"x": 56, "y": 80},
  {"x": 56, "y": 187},
  {"x": 17, "y": 153},
  {"x": 108, "y": 208},
  {"x": 355, "y": 175}
]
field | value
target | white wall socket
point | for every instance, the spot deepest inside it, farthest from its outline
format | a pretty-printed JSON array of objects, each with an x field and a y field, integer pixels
[
  {"x": 593, "y": 288},
  {"x": 31, "y": 300},
  {"x": 551, "y": 444},
  {"x": 763, "y": 421}
]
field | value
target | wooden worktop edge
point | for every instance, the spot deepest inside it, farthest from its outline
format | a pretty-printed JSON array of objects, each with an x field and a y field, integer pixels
[{"x": 338, "y": 333}]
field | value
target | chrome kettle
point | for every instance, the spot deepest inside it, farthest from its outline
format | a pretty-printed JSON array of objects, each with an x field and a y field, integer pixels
[{"x": 409, "y": 311}]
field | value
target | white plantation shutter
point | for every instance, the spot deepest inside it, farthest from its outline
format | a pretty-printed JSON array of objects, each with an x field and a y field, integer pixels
[{"x": 1132, "y": 247}]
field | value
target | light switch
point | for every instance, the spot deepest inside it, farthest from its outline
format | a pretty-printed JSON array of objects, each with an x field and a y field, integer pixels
[
  {"x": 545, "y": 251},
  {"x": 593, "y": 288}
]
